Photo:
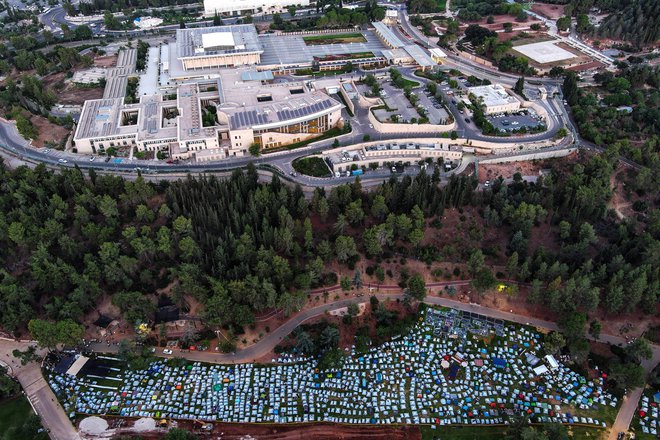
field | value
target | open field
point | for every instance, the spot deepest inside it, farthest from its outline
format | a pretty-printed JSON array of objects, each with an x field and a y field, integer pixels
[
  {"x": 14, "y": 413},
  {"x": 499, "y": 20},
  {"x": 547, "y": 10},
  {"x": 49, "y": 133},
  {"x": 319, "y": 40}
]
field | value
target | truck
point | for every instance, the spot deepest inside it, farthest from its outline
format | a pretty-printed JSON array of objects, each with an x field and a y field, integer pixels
[{"x": 357, "y": 172}]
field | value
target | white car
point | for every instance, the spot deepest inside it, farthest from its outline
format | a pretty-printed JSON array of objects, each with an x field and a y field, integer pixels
[
  {"x": 167, "y": 351},
  {"x": 91, "y": 159},
  {"x": 62, "y": 161}
]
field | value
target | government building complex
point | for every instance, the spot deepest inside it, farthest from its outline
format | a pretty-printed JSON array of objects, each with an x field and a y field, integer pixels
[{"x": 221, "y": 89}]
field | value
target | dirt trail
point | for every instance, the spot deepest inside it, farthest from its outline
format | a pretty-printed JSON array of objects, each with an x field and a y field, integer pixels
[
  {"x": 619, "y": 201},
  {"x": 318, "y": 432}
]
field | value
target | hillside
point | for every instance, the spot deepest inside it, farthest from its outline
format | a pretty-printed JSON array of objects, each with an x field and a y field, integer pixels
[{"x": 637, "y": 23}]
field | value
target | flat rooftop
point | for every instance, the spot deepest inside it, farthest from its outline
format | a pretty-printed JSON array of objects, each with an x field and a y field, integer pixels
[
  {"x": 218, "y": 39},
  {"x": 256, "y": 103},
  {"x": 492, "y": 94},
  {"x": 193, "y": 42},
  {"x": 252, "y": 103},
  {"x": 291, "y": 49},
  {"x": 544, "y": 52},
  {"x": 101, "y": 117},
  {"x": 387, "y": 34},
  {"x": 420, "y": 55}
]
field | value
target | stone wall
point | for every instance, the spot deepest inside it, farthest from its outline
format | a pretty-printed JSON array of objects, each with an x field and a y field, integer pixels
[
  {"x": 530, "y": 156},
  {"x": 384, "y": 127}
]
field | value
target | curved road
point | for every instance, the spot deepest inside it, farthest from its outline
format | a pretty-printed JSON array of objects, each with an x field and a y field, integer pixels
[{"x": 55, "y": 419}]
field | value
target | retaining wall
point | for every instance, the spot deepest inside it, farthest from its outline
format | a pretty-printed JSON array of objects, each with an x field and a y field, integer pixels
[
  {"x": 384, "y": 127},
  {"x": 349, "y": 102},
  {"x": 530, "y": 156}
]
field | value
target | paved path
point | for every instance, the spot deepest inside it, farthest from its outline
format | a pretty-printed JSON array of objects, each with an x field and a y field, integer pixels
[
  {"x": 54, "y": 418},
  {"x": 631, "y": 400},
  {"x": 265, "y": 345},
  {"x": 36, "y": 389}
]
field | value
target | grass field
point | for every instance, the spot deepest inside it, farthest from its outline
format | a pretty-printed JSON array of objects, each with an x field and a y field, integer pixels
[
  {"x": 13, "y": 414},
  {"x": 409, "y": 83},
  {"x": 319, "y": 40},
  {"x": 311, "y": 166}
]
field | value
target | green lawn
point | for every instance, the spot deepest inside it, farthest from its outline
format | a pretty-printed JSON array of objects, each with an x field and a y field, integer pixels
[
  {"x": 311, "y": 166},
  {"x": 410, "y": 83},
  {"x": 18, "y": 422},
  {"x": 317, "y": 40}
]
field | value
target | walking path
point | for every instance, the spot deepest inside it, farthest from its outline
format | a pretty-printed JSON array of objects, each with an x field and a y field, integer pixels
[
  {"x": 265, "y": 345},
  {"x": 54, "y": 418},
  {"x": 38, "y": 392}
]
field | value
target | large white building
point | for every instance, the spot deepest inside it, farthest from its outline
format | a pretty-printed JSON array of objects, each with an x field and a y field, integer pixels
[
  {"x": 495, "y": 99},
  {"x": 235, "y": 7},
  {"x": 210, "y": 120}
]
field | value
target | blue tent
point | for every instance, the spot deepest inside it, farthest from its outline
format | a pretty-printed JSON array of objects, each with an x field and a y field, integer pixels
[
  {"x": 453, "y": 371},
  {"x": 499, "y": 362}
]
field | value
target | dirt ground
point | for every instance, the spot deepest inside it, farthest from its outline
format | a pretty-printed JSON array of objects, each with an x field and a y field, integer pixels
[
  {"x": 105, "y": 61},
  {"x": 507, "y": 170},
  {"x": 499, "y": 20},
  {"x": 53, "y": 79},
  {"x": 622, "y": 199},
  {"x": 550, "y": 11},
  {"x": 586, "y": 66},
  {"x": 246, "y": 431},
  {"x": 49, "y": 133},
  {"x": 316, "y": 431},
  {"x": 72, "y": 94}
]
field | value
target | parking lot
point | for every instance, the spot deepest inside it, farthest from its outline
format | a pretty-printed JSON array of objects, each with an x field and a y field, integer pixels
[
  {"x": 436, "y": 112},
  {"x": 513, "y": 122},
  {"x": 400, "y": 105}
]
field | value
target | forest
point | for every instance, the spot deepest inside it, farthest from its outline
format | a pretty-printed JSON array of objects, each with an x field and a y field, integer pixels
[
  {"x": 473, "y": 10},
  {"x": 634, "y": 21},
  {"x": 637, "y": 22},
  {"x": 239, "y": 247},
  {"x": 600, "y": 118}
]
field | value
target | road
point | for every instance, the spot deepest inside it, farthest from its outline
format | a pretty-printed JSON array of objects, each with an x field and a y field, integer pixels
[
  {"x": 38, "y": 392},
  {"x": 266, "y": 345},
  {"x": 30, "y": 376},
  {"x": 631, "y": 400},
  {"x": 54, "y": 418}
]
